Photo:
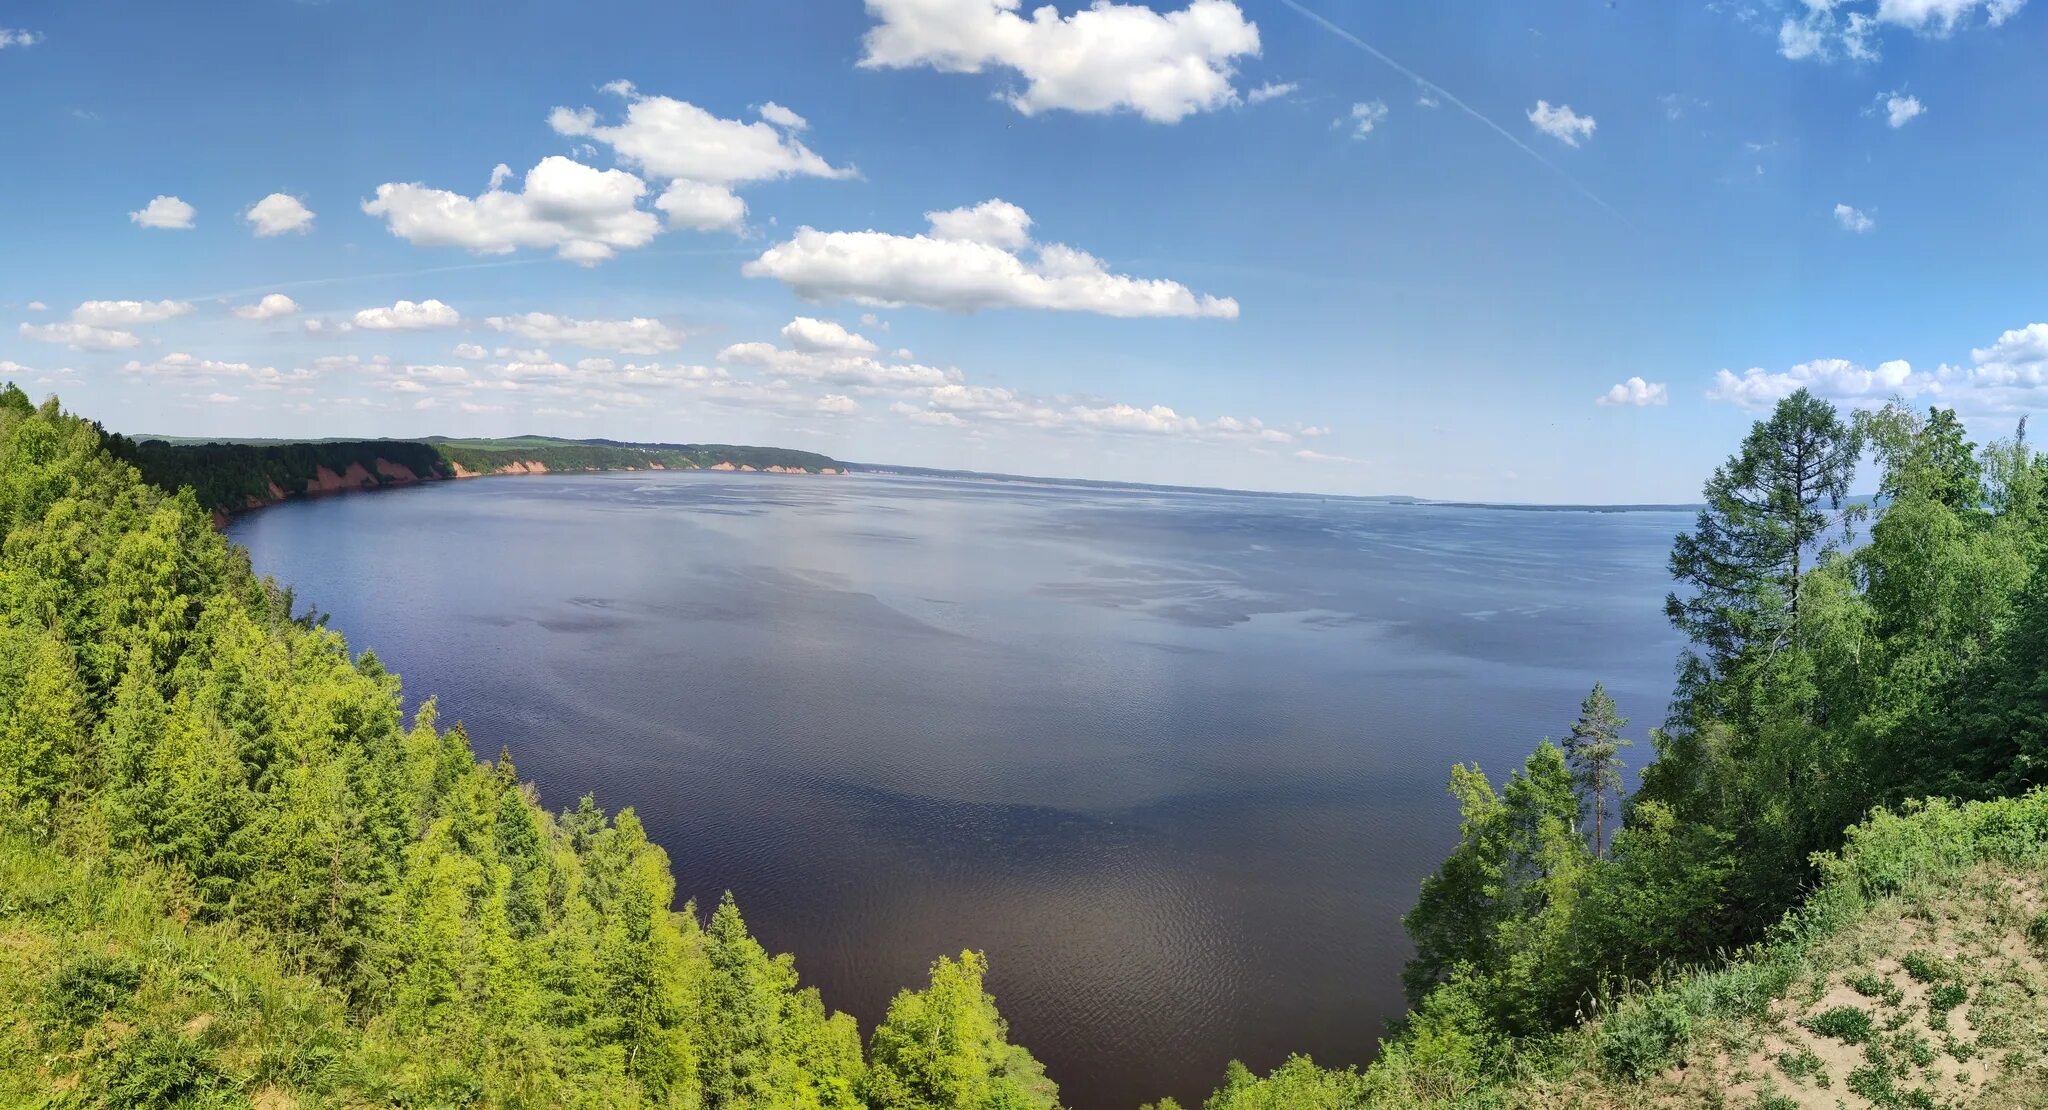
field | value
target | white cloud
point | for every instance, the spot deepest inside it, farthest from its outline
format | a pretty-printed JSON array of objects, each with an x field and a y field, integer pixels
[
  {"x": 1853, "y": 219},
  {"x": 585, "y": 214},
  {"x": 782, "y": 117},
  {"x": 637, "y": 336},
  {"x": 807, "y": 334},
  {"x": 1425, "y": 100},
  {"x": 408, "y": 316},
  {"x": 676, "y": 140},
  {"x": 270, "y": 307},
  {"x": 968, "y": 274},
  {"x": 326, "y": 327},
  {"x": 1834, "y": 378},
  {"x": 596, "y": 365},
  {"x": 1850, "y": 29},
  {"x": 11, "y": 37},
  {"x": 1105, "y": 58},
  {"x": 995, "y": 222},
  {"x": 1901, "y": 110},
  {"x": 1561, "y": 123},
  {"x": 1271, "y": 90},
  {"x": 187, "y": 369},
  {"x": 1309, "y": 455},
  {"x": 164, "y": 212},
  {"x": 838, "y": 404},
  {"x": 1636, "y": 392},
  {"x": 701, "y": 206},
  {"x": 128, "y": 314},
  {"x": 1365, "y": 116},
  {"x": 38, "y": 306},
  {"x": 836, "y": 367},
  {"x": 469, "y": 351},
  {"x": 80, "y": 337},
  {"x": 277, "y": 214}
]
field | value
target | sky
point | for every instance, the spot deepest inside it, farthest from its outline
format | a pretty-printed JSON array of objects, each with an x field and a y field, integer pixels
[{"x": 1525, "y": 250}]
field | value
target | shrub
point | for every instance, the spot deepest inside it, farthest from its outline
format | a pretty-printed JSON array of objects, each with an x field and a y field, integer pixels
[
  {"x": 1801, "y": 1065},
  {"x": 1947, "y": 996},
  {"x": 1639, "y": 1039},
  {"x": 1844, "y": 1023},
  {"x": 1877, "y": 986},
  {"x": 86, "y": 987},
  {"x": 156, "y": 1070},
  {"x": 1927, "y": 969}
]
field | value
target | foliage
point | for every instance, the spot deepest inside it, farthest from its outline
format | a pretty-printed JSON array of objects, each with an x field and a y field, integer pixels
[{"x": 228, "y": 864}]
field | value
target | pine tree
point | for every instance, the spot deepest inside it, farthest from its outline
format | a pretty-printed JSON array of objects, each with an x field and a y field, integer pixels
[
  {"x": 1593, "y": 751},
  {"x": 1768, "y": 506}
]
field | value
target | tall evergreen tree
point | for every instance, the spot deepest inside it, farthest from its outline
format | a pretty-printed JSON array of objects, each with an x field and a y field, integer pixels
[
  {"x": 1770, "y": 506},
  {"x": 1593, "y": 751}
]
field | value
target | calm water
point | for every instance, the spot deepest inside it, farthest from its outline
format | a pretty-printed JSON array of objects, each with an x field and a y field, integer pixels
[{"x": 1175, "y": 761}]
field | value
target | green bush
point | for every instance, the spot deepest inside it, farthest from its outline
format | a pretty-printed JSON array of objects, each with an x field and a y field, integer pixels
[
  {"x": 86, "y": 987},
  {"x": 156, "y": 1070},
  {"x": 1947, "y": 996},
  {"x": 1844, "y": 1023},
  {"x": 1877, "y": 986},
  {"x": 1640, "y": 1038}
]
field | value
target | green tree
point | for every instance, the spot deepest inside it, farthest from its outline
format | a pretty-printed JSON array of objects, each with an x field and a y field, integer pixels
[
  {"x": 1767, "y": 507},
  {"x": 946, "y": 1048},
  {"x": 1593, "y": 751}
]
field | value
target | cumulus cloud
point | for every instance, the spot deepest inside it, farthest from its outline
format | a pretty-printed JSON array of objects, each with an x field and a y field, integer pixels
[
  {"x": 11, "y": 37},
  {"x": 638, "y": 336},
  {"x": 81, "y": 337},
  {"x": 838, "y": 368},
  {"x": 187, "y": 369},
  {"x": 702, "y": 156},
  {"x": 970, "y": 260},
  {"x": 586, "y": 215},
  {"x": 164, "y": 212},
  {"x": 408, "y": 316},
  {"x": 277, "y": 214},
  {"x": 1853, "y": 219},
  {"x": 270, "y": 307},
  {"x": 128, "y": 314},
  {"x": 837, "y": 404},
  {"x": 782, "y": 117},
  {"x": 1105, "y": 58},
  {"x": 702, "y": 206},
  {"x": 1827, "y": 30},
  {"x": 470, "y": 351},
  {"x": 1365, "y": 116},
  {"x": 1561, "y": 123},
  {"x": 807, "y": 334},
  {"x": 38, "y": 306},
  {"x": 1635, "y": 392},
  {"x": 1834, "y": 378},
  {"x": 1901, "y": 110},
  {"x": 1271, "y": 90}
]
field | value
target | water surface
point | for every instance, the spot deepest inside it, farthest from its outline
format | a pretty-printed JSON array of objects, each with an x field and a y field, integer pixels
[{"x": 1175, "y": 761}]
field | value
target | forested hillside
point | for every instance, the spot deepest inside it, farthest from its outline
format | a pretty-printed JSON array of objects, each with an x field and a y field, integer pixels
[
  {"x": 1825, "y": 677},
  {"x": 233, "y": 476},
  {"x": 232, "y": 873}
]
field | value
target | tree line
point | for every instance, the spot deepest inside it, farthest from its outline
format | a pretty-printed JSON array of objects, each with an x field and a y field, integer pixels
[{"x": 167, "y": 719}]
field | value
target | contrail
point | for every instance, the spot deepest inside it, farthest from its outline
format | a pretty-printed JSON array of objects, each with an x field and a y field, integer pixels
[{"x": 1461, "y": 105}]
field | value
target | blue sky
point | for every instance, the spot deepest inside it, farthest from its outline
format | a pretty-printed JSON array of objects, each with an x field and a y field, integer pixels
[{"x": 1256, "y": 244}]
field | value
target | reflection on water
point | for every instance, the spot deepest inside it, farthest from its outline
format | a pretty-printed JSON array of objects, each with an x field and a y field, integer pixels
[{"x": 1176, "y": 761}]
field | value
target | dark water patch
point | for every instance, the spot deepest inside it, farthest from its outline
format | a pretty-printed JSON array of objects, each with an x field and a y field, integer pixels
[{"x": 1175, "y": 760}]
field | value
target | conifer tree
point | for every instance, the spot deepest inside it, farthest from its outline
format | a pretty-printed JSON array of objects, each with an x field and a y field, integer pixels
[{"x": 1593, "y": 751}]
